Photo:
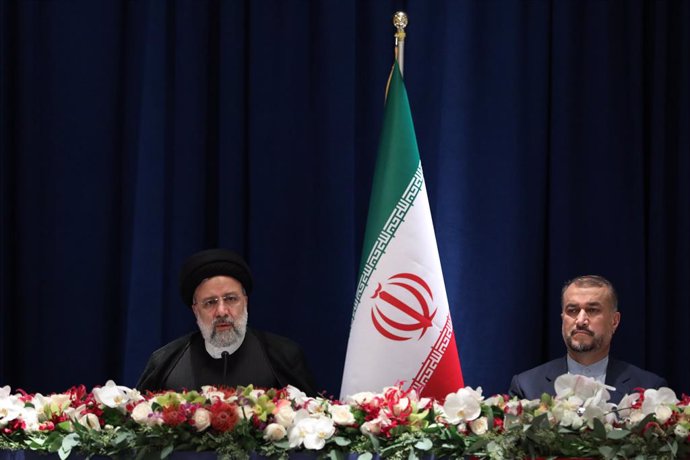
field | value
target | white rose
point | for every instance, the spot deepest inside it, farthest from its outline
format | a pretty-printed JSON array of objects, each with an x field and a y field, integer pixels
[
  {"x": 142, "y": 413},
  {"x": 370, "y": 427},
  {"x": 274, "y": 432},
  {"x": 373, "y": 426},
  {"x": 479, "y": 426},
  {"x": 284, "y": 414},
  {"x": 202, "y": 419},
  {"x": 681, "y": 431},
  {"x": 342, "y": 415}
]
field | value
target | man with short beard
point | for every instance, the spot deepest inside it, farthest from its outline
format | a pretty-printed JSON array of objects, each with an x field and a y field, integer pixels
[
  {"x": 215, "y": 283},
  {"x": 590, "y": 318}
]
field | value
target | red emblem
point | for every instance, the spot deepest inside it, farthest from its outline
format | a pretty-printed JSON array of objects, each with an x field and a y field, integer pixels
[{"x": 405, "y": 296}]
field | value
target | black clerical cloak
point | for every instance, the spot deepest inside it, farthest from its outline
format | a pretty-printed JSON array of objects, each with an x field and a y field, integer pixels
[{"x": 265, "y": 360}]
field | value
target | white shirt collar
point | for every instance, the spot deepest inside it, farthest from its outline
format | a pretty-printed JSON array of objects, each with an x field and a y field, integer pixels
[{"x": 597, "y": 370}]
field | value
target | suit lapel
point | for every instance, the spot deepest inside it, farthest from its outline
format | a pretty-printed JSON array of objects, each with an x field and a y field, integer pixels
[
  {"x": 617, "y": 376},
  {"x": 556, "y": 368}
]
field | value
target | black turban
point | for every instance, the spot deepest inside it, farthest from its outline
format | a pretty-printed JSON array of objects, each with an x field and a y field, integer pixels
[{"x": 210, "y": 263}]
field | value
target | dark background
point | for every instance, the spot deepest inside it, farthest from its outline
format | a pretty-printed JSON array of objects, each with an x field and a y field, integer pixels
[{"x": 554, "y": 137}]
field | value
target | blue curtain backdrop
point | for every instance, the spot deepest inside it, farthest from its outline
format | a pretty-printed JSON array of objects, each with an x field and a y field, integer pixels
[{"x": 554, "y": 137}]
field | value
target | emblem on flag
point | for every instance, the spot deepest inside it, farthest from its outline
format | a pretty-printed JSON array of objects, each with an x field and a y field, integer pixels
[{"x": 405, "y": 295}]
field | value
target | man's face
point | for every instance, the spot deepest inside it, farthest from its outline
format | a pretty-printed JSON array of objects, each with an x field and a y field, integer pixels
[
  {"x": 220, "y": 307},
  {"x": 589, "y": 321}
]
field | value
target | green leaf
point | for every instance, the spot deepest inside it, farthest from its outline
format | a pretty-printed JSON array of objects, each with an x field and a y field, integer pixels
[
  {"x": 540, "y": 422},
  {"x": 64, "y": 426},
  {"x": 424, "y": 444},
  {"x": 477, "y": 445},
  {"x": 282, "y": 444},
  {"x": 643, "y": 423},
  {"x": 68, "y": 442},
  {"x": 374, "y": 442},
  {"x": 165, "y": 453},
  {"x": 608, "y": 452},
  {"x": 599, "y": 430},
  {"x": 339, "y": 440},
  {"x": 365, "y": 456},
  {"x": 335, "y": 455},
  {"x": 617, "y": 434}
]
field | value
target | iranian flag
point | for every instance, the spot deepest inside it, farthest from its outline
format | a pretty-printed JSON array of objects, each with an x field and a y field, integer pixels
[{"x": 401, "y": 328}]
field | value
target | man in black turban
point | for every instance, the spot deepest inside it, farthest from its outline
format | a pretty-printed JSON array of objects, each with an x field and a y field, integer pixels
[{"x": 216, "y": 283}]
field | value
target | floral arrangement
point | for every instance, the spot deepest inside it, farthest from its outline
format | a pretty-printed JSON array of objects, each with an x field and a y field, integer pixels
[{"x": 578, "y": 422}]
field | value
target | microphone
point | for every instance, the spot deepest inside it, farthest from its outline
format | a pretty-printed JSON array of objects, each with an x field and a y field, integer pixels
[{"x": 225, "y": 355}]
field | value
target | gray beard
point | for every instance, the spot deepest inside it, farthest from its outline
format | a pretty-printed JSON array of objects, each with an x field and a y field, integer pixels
[
  {"x": 583, "y": 347},
  {"x": 231, "y": 338}
]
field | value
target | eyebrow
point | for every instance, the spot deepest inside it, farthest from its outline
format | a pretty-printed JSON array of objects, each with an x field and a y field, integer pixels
[
  {"x": 221, "y": 295},
  {"x": 588, "y": 304}
]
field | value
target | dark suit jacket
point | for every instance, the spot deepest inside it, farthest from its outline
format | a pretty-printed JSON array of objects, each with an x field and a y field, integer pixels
[
  {"x": 624, "y": 377},
  {"x": 286, "y": 359}
]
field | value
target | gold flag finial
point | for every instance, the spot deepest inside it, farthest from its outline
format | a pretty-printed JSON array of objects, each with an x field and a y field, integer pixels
[{"x": 400, "y": 22}]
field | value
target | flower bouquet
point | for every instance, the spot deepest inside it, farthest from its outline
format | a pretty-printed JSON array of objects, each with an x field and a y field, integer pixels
[{"x": 578, "y": 421}]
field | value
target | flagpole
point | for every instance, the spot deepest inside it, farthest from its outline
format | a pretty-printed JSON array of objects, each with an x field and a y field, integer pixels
[{"x": 400, "y": 22}]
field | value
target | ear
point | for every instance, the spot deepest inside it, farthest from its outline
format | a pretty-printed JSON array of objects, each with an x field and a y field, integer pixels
[{"x": 616, "y": 320}]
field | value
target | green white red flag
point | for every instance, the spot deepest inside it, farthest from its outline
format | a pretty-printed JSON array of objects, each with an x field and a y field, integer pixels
[{"x": 401, "y": 327}]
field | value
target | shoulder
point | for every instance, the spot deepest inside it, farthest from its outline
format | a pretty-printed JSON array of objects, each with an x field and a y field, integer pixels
[
  {"x": 172, "y": 347},
  {"x": 162, "y": 361},
  {"x": 275, "y": 343},
  {"x": 556, "y": 366},
  {"x": 639, "y": 377},
  {"x": 532, "y": 383},
  {"x": 288, "y": 360}
]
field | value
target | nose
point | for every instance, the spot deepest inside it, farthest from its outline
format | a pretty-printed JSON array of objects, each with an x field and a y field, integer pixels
[
  {"x": 582, "y": 317},
  {"x": 222, "y": 309}
]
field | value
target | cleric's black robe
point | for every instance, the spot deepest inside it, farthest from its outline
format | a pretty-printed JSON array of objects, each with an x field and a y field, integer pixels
[{"x": 264, "y": 360}]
